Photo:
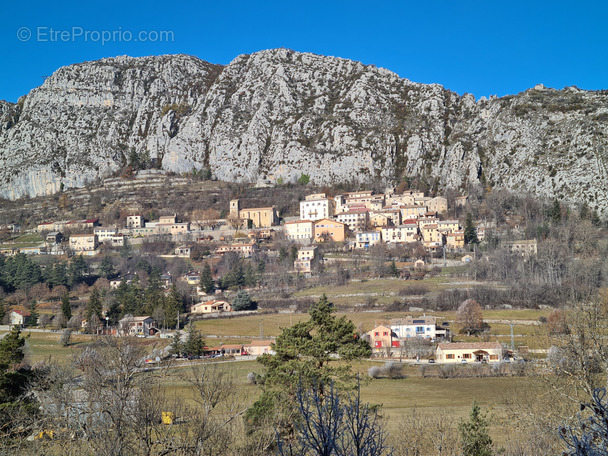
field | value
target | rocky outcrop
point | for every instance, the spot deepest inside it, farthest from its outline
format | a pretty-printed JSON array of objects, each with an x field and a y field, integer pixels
[{"x": 278, "y": 114}]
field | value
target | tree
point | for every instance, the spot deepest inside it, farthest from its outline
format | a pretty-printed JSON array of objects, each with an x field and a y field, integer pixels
[
  {"x": 555, "y": 212},
  {"x": 304, "y": 179},
  {"x": 242, "y": 301},
  {"x": 304, "y": 351},
  {"x": 470, "y": 316},
  {"x": 206, "y": 283},
  {"x": 195, "y": 344},
  {"x": 65, "y": 337},
  {"x": 76, "y": 270},
  {"x": 66, "y": 307},
  {"x": 106, "y": 268},
  {"x": 590, "y": 438},
  {"x": 94, "y": 307},
  {"x": 470, "y": 231},
  {"x": 125, "y": 249},
  {"x": 474, "y": 437},
  {"x": 177, "y": 346},
  {"x": 392, "y": 269},
  {"x": 331, "y": 425},
  {"x": 173, "y": 306},
  {"x": 11, "y": 350}
]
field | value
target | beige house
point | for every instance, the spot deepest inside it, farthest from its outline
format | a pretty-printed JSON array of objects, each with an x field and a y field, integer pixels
[
  {"x": 438, "y": 204},
  {"x": 431, "y": 234},
  {"x": 244, "y": 250},
  {"x": 83, "y": 242},
  {"x": 172, "y": 228},
  {"x": 386, "y": 217},
  {"x": 260, "y": 217},
  {"x": 259, "y": 347},
  {"x": 135, "y": 221},
  {"x": 216, "y": 305},
  {"x": 469, "y": 352},
  {"x": 357, "y": 220},
  {"x": 455, "y": 240},
  {"x": 448, "y": 226},
  {"x": 134, "y": 326},
  {"x": 412, "y": 211},
  {"x": 300, "y": 230},
  {"x": 330, "y": 230},
  {"x": 382, "y": 340},
  {"x": 167, "y": 219},
  {"x": 306, "y": 259},
  {"x": 407, "y": 232}
]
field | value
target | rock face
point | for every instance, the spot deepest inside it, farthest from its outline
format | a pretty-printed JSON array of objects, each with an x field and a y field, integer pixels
[{"x": 278, "y": 114}]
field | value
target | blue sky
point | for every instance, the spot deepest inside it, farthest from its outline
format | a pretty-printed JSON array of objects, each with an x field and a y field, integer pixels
[{"x": 480, "y": 47}]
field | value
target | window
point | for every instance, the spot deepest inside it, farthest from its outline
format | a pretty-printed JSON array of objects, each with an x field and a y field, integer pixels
[
  {"x": 494, "y": 357},
  {"x": 385, "y": 333},
  {"x": 467, "y": 355},
  {"x": 376, "y": 334},
  {"x": 449, "y": 356}
]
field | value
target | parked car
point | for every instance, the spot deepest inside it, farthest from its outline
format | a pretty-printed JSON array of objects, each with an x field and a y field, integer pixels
[
  {"x": 431, "y": 361},
  {"x": 463, "y": 361}
]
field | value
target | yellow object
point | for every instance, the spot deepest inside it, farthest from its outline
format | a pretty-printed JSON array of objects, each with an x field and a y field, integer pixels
[
  {"x": 44, "y": 435},
  {"x": 168, "y": 417}
]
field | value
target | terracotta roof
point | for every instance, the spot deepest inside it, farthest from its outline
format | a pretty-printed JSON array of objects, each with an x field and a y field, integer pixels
[
  {"x": 260, "y": 343},
  {"x": 232, "y": 346},
  {"x": 469, "y": 345}
]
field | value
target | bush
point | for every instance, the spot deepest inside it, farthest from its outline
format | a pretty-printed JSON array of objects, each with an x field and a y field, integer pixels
[
  {"x": 374, "y": 372},
  {"x": 393, "y": 370}
]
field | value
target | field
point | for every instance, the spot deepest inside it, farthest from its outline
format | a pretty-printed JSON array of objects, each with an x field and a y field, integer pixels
[{"x": 398, "y": 397}]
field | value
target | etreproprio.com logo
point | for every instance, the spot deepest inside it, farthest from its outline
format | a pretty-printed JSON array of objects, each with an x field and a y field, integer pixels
[{"x": 76, "y": 34}]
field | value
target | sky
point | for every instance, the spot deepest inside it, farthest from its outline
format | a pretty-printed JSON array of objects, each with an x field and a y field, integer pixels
[{"x": 480, "y": 47}]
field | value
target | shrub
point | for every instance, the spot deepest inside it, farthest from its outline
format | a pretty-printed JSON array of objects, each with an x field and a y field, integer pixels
[
  {"x": 393, "y": 370},
  {"x": 374, "y": 372}
]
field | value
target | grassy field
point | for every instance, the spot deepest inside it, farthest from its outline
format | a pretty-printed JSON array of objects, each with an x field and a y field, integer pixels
[{"x": 235, "y": 330}]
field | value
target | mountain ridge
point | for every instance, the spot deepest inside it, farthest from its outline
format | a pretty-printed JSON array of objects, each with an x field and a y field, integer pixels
[{"x": 277, "y": 114}]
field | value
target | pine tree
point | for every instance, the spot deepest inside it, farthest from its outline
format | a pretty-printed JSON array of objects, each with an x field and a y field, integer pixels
[
  {"x": 392, "y": 270},
  {"x": 194, "y": 345},
  {"x": 173, "y": 305},
  {"x": 106, "y": 268},
  {"x": 94, "y": 307},
  {"x": 11, "y": 349},
  {"x": 470, "y": 231},
  {"x": 305, "y": 351},
  {"x": 66, "y": 307},
  {"x": 177, "y": 346},
  {"x": 206, "y": 283},
  {"x": 76, "y": 270},
  {"x": 555, "y": 212},
  {"x": 474, "y": 437}
]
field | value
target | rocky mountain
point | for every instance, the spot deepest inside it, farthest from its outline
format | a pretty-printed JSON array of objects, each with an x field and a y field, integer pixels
[{"x": 278, "y": 114}]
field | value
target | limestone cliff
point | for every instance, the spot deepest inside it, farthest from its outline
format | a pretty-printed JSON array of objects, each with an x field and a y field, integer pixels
[{"x": 278, "y": 113}]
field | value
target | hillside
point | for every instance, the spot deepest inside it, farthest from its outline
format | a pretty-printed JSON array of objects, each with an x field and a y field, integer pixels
[{"x": 278, "y": 113}]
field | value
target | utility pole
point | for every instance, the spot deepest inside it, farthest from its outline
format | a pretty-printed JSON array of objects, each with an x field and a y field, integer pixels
[
  {"x": 261, "y": 328},
  {"x": 177, "y": 328},
  {"x": 444, "y": 263},
  {"x": 512, "y": 340}
]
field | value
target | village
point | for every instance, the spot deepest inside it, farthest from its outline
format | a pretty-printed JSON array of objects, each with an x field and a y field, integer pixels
[{"x": 355, "y": 221}]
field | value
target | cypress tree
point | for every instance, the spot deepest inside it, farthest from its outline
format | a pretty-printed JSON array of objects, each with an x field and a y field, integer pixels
[
  {"x": 206, "y": 282},
  {"x": 66, "y": 308}
]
